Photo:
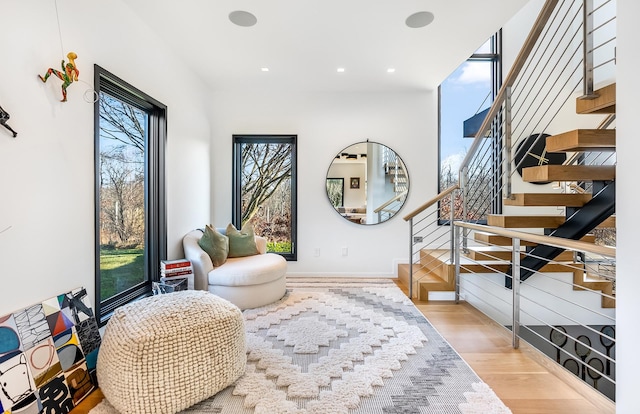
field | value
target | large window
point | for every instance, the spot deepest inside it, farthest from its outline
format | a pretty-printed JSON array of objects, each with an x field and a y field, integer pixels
[
  {"x": 130, "y": 134},
  {"x": 264, "y": 189},
  {"x": 464, "y": 98}
]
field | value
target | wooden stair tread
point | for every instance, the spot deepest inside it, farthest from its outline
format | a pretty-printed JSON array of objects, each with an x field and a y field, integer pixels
[
  {"x": 548, "y": 199},
  {"x": 500, "y": 220},
  {"x": 526, "y": 222},
  {"x": 424, "y": 274},
  {"x": 426, "y": 280},
  {"x": 468, "y": 265},
  {"x": 583, "y": 140},
  {"x": 502, "y": 253},
  {"x": 502, "y": 267},
  {"x": 544, "y": 173},
  {"x": 589, "y": 238},
  {"x": 435, "y": 262},
  {"x": 489, "y": 248},
  {"x": 610, "y": 222},
  {"x": 605, "y": 103},
  {"x": 490, "y": 253},
  {"x": 494, "y": 239},
  {"x": 596, "y": 283}
]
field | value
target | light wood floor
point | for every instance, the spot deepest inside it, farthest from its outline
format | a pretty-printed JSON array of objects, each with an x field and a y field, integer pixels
[
  {"x": 88, "y": 403},
  {"x": 525, "y": 381}
]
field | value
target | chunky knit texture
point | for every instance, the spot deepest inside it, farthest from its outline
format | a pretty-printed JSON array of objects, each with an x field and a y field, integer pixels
[{"x": 165, "y": 353}]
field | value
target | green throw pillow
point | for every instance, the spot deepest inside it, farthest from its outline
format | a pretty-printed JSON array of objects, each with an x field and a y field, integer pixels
[
  {"x": 241, "y": 243},
  {"x": 215, "y": 244}
]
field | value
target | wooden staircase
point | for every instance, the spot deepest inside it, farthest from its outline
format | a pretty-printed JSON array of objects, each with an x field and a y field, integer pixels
[{"x": 435, "y": 272}]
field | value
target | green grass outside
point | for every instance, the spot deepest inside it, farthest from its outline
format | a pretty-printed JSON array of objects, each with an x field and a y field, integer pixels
[
  {"x": 120, "y": 269},
  {"x": 282, "y": 247}
]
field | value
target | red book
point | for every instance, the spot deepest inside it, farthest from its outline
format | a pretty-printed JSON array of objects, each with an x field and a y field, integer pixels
[{"x": 174, "y": 264}]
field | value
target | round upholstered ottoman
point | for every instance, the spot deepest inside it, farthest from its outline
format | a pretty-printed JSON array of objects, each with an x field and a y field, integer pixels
[{"x": 165, "y": 353}]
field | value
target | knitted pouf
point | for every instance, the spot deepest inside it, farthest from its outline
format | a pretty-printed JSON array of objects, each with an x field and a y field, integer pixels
[{"x": 165, "y": 353}]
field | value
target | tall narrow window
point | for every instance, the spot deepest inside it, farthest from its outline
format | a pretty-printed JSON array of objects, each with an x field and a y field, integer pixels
[
  {"x": 464, "y": 98},
  {"x": 264, "y": 186},
  {"x": 130, "y": 133}
]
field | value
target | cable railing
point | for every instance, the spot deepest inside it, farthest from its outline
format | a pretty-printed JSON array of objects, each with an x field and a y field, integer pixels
[
  {"x": 564, "y": 306},
  {"x": 390, "y": 207},
  {"x": 570, "y": 38},
  {"x": 535, "y": 101},
  {"x": 567, "y": 311}
]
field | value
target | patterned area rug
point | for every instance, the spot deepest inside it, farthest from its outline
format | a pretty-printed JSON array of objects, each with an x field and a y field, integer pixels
[{"x": 335, "y": 346}]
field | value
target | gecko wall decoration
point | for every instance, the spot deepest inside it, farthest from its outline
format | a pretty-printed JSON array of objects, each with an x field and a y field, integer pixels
[{"x": 4, "y": 117}]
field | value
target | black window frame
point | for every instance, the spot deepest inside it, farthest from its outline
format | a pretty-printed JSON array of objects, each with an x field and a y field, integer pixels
[
  {"x": 495, "y": 57},
  {"x": 236, "y": 208},
  {"x": 155, "y": 188}
]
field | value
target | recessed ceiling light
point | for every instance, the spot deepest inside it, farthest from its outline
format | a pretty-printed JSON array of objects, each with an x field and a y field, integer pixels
[
  {"x": 242, "y": 18},
  {"x": 340, "y": 70},
  {"x": 264, "y": 69},
  {"x": 419, "y": 19},
  {"x": 391, "y": 70}
]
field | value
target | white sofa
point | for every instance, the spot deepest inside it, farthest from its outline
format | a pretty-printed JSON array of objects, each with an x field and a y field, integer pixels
[{"x": 247, "y": 282}]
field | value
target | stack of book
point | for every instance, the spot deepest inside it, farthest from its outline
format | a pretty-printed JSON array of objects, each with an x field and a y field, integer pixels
[{"x": 177, "y": 273}]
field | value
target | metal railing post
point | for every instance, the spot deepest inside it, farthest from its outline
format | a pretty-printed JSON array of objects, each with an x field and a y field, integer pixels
[
  {"x": 515, "y": 287},
  {"x": 507, "y": 140},
  {"x": 456, "y": 237},
  {"x": 452, "y": 217},
  {"x": 411, "y": 258},
  {"x": 464, "y": 185},
  {"x": 587, "y": 50}
]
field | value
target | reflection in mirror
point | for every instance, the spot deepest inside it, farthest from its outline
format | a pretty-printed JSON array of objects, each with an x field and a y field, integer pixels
[{"x": 367, "y": 183}]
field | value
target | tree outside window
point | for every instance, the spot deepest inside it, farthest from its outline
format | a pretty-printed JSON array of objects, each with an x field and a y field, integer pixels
[{"x": 265, "y": 189}]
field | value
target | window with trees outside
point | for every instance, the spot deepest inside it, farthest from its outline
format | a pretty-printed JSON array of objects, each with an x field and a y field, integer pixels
[
  {"x": 130, "y": 134},
  {"x": 469, "y": 91},
  {"x": 264, "y": 189}
]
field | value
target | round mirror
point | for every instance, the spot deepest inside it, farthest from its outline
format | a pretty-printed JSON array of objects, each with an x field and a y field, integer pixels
[{"x": 367, "y": 183}]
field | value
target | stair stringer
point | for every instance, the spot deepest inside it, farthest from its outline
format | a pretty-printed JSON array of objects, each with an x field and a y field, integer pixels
[{"x": 584, "y": 220}]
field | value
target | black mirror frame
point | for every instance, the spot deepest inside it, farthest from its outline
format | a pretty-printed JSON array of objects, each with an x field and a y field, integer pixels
[{"x": 397, "y": 169}]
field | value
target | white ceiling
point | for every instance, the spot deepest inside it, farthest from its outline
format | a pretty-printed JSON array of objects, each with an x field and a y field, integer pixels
[{"x": 303, "y": 42}]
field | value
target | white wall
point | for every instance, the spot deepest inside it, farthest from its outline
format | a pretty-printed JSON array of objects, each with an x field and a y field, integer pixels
[
  {"x": 47, "y": 172},
  {"x": 513, "y": 36},
  {"x": 353, "y": 197},
  {"x": 325, "y": 124},
  {"x": 628, "y": 199}
]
